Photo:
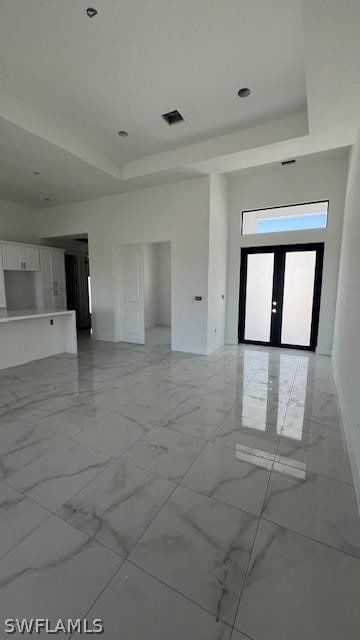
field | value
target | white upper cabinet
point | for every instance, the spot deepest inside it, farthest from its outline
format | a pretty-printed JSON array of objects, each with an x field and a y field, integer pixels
[
  {"x": 31, "y": 258},
  {"x": 19, "y": 257},
  {"x": 12, "y": 259}
]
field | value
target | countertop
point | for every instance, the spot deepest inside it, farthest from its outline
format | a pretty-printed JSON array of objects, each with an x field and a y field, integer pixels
[{"x": 27, "y": 314}]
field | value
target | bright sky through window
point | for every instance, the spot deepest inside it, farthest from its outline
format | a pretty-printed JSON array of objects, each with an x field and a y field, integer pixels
[{"x": 287, "y": 218}]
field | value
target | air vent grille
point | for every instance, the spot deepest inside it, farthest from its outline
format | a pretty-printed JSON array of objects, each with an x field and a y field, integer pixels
[
  {"x": 173, "y": 117},
  {"x": 284, "y": 163}
]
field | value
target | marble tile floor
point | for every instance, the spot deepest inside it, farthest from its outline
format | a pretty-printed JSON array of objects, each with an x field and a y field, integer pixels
[{"x": 178, "y": 496}]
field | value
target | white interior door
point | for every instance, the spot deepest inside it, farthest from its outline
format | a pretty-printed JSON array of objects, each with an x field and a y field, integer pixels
[{"x": 132, "y": 293}]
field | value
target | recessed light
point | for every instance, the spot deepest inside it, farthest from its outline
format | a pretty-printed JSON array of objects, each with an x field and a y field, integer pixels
[
  {"x": 91, "y": 12},
  {"x": 173, "y": 117},
  {"x": 123, "y": 134},
  {"x": 47, "y": 199},
  {"x": 244, "y": 92},
  {"x": 36, "y": 173}
]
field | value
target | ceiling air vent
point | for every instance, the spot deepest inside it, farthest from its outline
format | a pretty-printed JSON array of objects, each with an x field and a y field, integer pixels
[
  {"x": 284, "y": 163},
  {"x": 173, "y": 117}
]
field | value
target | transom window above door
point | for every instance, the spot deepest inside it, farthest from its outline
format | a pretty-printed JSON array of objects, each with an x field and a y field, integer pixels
[{"x": 298, "y": 217}]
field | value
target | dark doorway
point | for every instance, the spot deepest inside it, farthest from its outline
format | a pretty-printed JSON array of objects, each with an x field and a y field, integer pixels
[
  {"x": 77, "y": 288},
  {"x": 280, "y": 291}
]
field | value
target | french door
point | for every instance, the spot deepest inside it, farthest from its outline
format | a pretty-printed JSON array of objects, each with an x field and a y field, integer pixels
[{"x": 280, "y": 290}]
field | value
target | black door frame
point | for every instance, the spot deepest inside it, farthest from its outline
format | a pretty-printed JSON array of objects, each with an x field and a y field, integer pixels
[{"x": 278, "y": 290}]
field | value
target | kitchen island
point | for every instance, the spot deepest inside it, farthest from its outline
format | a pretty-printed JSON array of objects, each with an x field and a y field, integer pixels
[{"x": 34, "y": 334}]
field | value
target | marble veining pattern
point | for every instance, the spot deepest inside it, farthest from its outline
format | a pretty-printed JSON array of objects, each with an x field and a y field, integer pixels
[
  {"x": 178, "y": 496},
  {"x": 201, "y": 548},
  {"x": 118, "y": 505}
]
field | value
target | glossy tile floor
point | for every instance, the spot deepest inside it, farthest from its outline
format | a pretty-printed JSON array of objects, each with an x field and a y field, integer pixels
[{"x": 178, "y": 496}]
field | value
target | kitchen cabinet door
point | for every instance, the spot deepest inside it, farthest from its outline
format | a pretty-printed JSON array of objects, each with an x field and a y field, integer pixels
[
  {"x": 12, "y": 257},
  {"x": 31, "y": 258}
]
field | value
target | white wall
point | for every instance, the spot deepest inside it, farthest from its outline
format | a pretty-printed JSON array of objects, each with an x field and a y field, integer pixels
[
  {"x": 346, "y": 354},
  {"x": 164, "y": 283},
  {"x": 17, "y": 222},
  {"x": 20, "y": 290},
  {"x": 269, "y": 187},
  {"x": 176, "y": 212},
  {"x": 218, "y": 243}
]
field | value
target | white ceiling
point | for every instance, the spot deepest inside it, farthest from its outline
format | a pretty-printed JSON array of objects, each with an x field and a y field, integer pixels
[
  {"x": 63, "y": 178},
  {"x": 69, "y": 83},
  {"x": 138, "y": 59}
]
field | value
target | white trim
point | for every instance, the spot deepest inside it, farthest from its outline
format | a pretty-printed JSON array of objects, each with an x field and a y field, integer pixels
[
  {"x": 32, "y": 244},
  {"x": 349, "y": 432}
]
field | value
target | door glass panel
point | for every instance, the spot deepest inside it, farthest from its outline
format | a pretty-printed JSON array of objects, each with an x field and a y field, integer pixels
[
  {"x": 259, "y": 287},
  {"x": 298, "y": 297}
]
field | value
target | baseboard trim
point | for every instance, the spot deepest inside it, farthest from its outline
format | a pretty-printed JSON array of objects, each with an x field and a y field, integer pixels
[{"x": 349, "y": 436}]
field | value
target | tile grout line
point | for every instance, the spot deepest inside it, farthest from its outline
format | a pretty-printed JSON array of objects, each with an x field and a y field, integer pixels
[
  {"x": 50, "y": 515},
  {"x": 253, "y": 545},
  {"x": 311, "y": 539},
  {"x": 106, "y": 464},
  {"x": 127, "y": 557},
  {"x": 179, "y": 484}
]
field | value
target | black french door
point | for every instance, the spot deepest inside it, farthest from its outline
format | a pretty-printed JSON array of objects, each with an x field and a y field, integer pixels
[{"x": 280, "y": 291}]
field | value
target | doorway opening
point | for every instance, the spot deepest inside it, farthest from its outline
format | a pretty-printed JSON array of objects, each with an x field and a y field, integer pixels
[
  {"x": 280, "y": 292},
  {"x": 145, "y": 293},
  {"x": 78, "y": 280},
  {"x": 157, "y": 292}
]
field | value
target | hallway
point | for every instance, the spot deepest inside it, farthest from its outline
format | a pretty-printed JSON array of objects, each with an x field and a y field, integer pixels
[{"x": 178, "y": 496}]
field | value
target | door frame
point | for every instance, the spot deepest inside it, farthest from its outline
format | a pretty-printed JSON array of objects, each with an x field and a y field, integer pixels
[
  {"x": 118, "y": 285},
  {"x": 279, "y": 251}
]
